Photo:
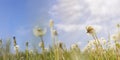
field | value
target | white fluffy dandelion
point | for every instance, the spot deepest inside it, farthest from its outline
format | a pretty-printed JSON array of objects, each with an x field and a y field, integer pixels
[
  {"x": 116, "y": 37},
  {"x": 39, "y": 31},
  {"x": 16, "y": 47}
]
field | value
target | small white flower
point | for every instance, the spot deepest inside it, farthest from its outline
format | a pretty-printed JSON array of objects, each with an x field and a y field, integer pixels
[
  {"x": 116, "y": 37},
  {"x": 39, "y": 31},
  {"x": 30, "y": 51},
  {"x": 16, "y": 47},
  {"x": 46, "y": 49},
  {"x": 40, "y": 44}
]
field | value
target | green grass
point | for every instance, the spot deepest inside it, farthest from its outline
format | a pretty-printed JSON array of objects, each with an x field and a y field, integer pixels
[{"x": 95, "y": 50}]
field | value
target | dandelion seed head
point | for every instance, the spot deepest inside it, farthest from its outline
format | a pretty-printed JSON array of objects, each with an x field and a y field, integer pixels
[
  {"x": 39, "y": 31},
  {"x": 16, "y": 47},
  {"x": 90, "y": 30},
  {"x": 116, "y": 37}
]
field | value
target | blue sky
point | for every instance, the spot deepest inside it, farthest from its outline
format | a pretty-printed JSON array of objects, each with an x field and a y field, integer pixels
[{"x": 19, "y": 17}]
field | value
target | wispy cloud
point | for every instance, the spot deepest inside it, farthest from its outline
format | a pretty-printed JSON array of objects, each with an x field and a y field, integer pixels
[
  {"x": 75, "y": 27},
  {"x": 85, "y": 12},
  {"x": 68, "y": 8},
  {"x": 74, "y": 15},
  {"x": 104, "y": 7}
]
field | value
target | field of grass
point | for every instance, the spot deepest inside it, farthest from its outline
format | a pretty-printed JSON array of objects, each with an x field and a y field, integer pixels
[{"x": 97, "y": 49}]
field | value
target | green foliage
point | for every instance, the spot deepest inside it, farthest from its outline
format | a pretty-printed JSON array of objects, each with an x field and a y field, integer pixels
[{"x": 93, "y": 51}]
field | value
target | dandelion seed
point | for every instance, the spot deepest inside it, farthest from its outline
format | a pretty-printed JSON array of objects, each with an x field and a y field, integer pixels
[
  {"x": 39, "y": 32},
  {"x": 51, "y": 23},
  {"x": 90, "y": 30}
]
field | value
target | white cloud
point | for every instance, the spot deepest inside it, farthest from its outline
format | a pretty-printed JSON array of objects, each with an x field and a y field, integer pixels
[
  {"x": 69, "y": 28},
  {"x": 69, "y": 10},
  {"x": 104, "y": 7},
  {"x": 86, "y": 12},
  {"x": 76, "y": 27},
  {"x": 75, "y": 15}
]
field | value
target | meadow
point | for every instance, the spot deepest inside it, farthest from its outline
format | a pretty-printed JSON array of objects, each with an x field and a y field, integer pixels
[{"x": 96, "y": 49}]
